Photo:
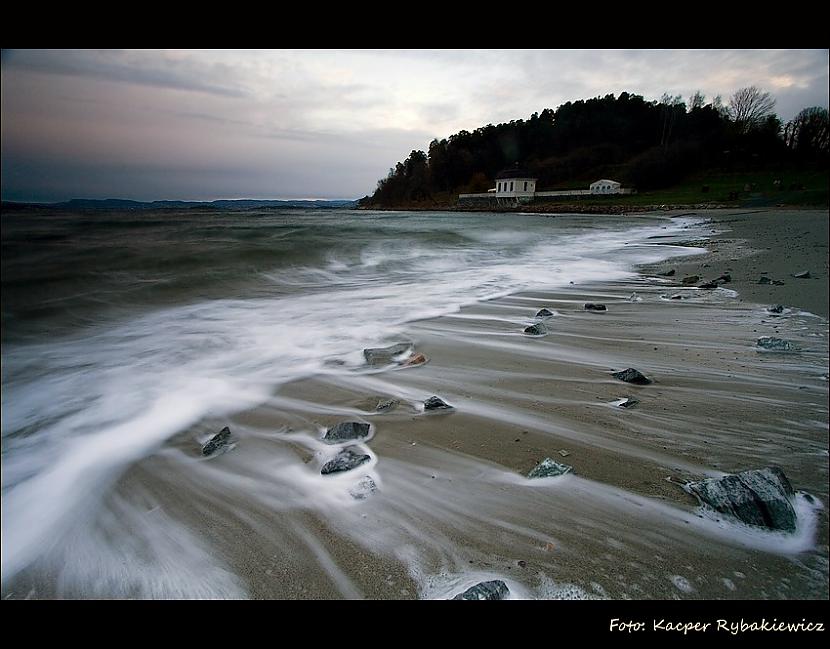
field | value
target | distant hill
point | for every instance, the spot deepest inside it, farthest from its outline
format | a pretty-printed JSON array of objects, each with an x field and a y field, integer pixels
[{"x": 243, "y": 204}]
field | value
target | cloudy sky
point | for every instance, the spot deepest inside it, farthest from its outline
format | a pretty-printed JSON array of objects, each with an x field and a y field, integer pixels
[{"x": 202, "y": 125}]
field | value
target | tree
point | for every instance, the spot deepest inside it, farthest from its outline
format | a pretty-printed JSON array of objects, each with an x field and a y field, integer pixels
[
  {"x": 670, "y": 106},
  {"x": 719, "y": 108},
  {"x": 749, "y": 108},
  {"x": 807, "y": 134},
  {"x": 696, "y": 101}
]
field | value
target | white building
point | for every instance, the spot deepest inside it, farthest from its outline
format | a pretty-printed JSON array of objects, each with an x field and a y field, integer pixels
[
  {"x": 515, "y": 183},
  {"x": 605, "y": 186},
  {"x": 515, "y": 186}
]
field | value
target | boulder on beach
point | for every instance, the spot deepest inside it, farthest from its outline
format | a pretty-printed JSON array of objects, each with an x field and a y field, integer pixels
[
  {"x": 764, "y": 280},
  {"x": 434, "y": 403},
  {"x": 630, "y": 375},
  {"x": 345, "y": 431},
  {"x": 708, "y": 285},
  {"x": 385, "y": 355},
  {"x": 537, "y": 329},
  {"x": 495, "y": 589},
  {"x": 218, "y": 442},
  {"x": 776, "y": 344},
  {"x": 759, "y": 497},
  {"x": 725, "y": 278},
  {"x": 804, "y": 274},
  {"x": 776, "y": 309},
  {"x": 591, "y": 306},
  {"x": 668, "y": 273},
  {"x": 544, "y": 313},
  {"x": 346, "y": 460},
  {"x": 549, "y": 468},
  {"x": 386, "y": 404},
  {"x": 690, "y": 279}
]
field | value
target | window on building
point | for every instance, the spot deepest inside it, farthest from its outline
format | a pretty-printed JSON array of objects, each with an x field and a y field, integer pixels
[
  {"x": 511, "y": 185},
  {"x": 525, "y": 185},
  {"x": 499, "y": 187}
]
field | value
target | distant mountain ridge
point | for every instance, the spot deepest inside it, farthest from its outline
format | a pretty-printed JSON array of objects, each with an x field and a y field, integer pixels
[{"x": 226, "y": 204}]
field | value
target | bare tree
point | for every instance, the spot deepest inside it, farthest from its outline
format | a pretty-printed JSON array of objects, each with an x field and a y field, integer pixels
[
  {"x": 696, "y": 101},
  {"x": 749, "y": 108},
  {"x": 808, "y": 133}
]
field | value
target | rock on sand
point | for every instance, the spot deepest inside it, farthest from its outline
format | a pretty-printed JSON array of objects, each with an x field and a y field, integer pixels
[
  {"x": 346, "y": 430},
  {"x": 760, "y": 497},
  {"x": 495, "y": 589}
]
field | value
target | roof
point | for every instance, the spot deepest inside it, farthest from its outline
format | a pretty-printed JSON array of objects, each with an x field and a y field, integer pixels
[
  {"x": 514, "y": 172},
  {"x": 605, "y": 180}
]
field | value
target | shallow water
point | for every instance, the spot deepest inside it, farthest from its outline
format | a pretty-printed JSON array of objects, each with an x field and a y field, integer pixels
[{"x": 129, "y": 339}]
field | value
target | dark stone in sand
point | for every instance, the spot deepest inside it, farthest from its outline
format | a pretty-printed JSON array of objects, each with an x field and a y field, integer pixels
[
  {"x": 760, "y": 497},
  {"x": 778, "y": 282},
  {"x": 668, "y": 273},
  {"x": 804, "y": 274},
  {"x": 725, "y": 278},
  {"x": 549, "y": 468},
  {"x": 346, "y": 430},
  {"x": 537, "y": 329},
  {"x": 776, "y": 344},
  {"x": 218, "y": 442},
  {"x": 345, "y": 460},
  {"x": 364, "y": 488},
  {"x": 765, "y": 280},
  {"x": 386, "y": 405},
  {"x": 495, "y": 589},
  {"x": 630, "y": 375},
  {"x": 590, "y": 306},
  {"x": 677, "y": 296},
  {"x": 778, "y": 308},
  {"x": 386, "y": 355},
  {"x": 709, "y": 285},
  {"x": 434, "y": 403},
  {"x": 628, "y": 403},
  {"x": 544, "y": 313},
  {"x": 691, "y": 279}
]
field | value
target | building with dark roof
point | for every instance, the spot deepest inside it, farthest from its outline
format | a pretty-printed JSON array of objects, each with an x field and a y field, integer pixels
[{"x": 515, "y": 183}]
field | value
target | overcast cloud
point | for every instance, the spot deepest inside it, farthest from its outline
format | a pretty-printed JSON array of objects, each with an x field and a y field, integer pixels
[{"x": 203, "y": 125}]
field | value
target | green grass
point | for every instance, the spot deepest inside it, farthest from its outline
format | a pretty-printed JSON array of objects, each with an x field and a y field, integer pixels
[{"x": 752, "y": 188}]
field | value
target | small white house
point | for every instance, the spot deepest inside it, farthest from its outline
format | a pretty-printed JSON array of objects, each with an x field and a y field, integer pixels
[
  {"x": 515, "y": 183},
  {"x": 605, "y": 186}
]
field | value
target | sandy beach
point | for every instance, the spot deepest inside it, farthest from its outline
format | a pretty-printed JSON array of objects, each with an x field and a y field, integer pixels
[{"x": 451, "y": 505}]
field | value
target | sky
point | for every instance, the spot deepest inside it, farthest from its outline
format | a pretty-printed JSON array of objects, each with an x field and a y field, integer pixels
[{"x": 290, "y": 124}]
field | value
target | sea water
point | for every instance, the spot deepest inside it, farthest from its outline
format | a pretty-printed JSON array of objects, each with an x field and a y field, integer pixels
[{"x": 123, "y": 329}]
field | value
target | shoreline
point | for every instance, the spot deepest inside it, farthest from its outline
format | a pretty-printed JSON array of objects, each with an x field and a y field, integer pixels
[
  {"x": 768, "y": 243},
  {"x": 599, "y": 209},
  {"x": 453, "y": 506}
]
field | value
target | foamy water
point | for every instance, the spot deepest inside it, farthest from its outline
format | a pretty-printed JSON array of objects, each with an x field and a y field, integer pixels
[{"x": 141, "y": 336}]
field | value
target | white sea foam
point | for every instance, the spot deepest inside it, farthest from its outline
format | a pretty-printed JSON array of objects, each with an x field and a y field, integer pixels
[{"x": 79, "y": 409}]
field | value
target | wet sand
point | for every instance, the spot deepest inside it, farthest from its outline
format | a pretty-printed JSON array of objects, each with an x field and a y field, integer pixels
[{"x": 452, "y": 505}]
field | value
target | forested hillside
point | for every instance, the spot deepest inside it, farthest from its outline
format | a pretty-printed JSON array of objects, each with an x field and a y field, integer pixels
[{"x": 644, "y": 144}]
